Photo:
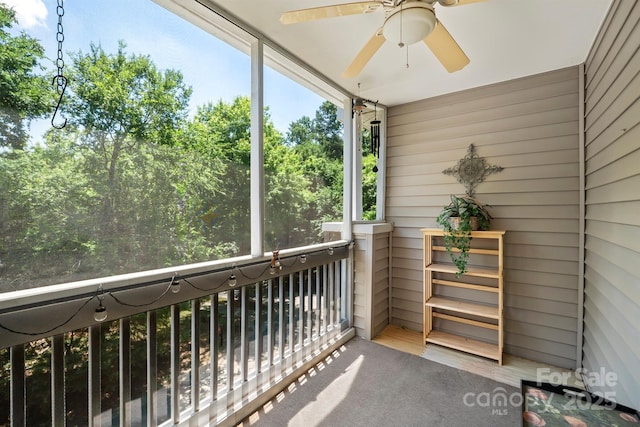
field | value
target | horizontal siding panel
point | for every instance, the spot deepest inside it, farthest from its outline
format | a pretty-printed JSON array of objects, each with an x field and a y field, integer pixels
[
  {"x": 625, "y": 190},
  {"x": 593, "y": 358},
  {"x": 547, "y": 265},
  {"x": 562, "y": 350},
  {"x": 614, "y": 20},
  {"x": 615, "y": 233},
  {"x": 407, "y": 318},
  {"x": 409, "y": 253},
  {"x": 628, "y": 78},
  {"x": 536, "y": 225},
  {"x": 407, "y": 263},
  {"x": 507, "y": 143},
  {"x": 541, "y": 332},
  {"x": 536, "y": 354},
  {"x": 620, "y": 212},
  {"x": 566, "y": 86},
  {"x": 413, "y": 286},
  {"x": 530, "y": 212},
  {"x": 481, "y": 117},
  {"x": 543, "y": 278},
  {"x": 543, "y": 252},
  {"x": 481, "y": 334},
  {"x": 535, "y": 198},
  {"x": 462, "y": 97},
  {"x": 540, "y": 319},
  {"x": 522, "y": 212},
  {"x": 543, "y": 292},
  {"x": 601, "y": 81},
  {"x": 619, "y": 309},
  {"x": 531, "y": 185},
  {"x": 505, "y": 199},
  {"x": 496, "y": 124},
  {"x": 541, "y": 305},
  {"x": 616, "y": 347},
  {"x": 435, "y": 162},
  {"x": 621, "y": 169},
  {"x": 546, "y": 239},
  {"x": 611, "y": 146},
  {"x": 598, "y": 138},
  {"x": 503, "y": 138},
  {"x": 618, "y": 277}
]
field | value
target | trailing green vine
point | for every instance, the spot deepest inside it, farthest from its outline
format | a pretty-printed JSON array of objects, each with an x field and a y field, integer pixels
[{"x": 457, "y": 236}]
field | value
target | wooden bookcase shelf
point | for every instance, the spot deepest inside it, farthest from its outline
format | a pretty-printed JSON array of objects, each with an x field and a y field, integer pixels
[{"x": 487, "y": 316}]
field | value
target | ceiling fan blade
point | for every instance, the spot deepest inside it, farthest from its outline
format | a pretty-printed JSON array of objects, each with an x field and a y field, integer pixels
[
  {"x": 365, "y": 54},
  {"x": 304, "y": 15},
  {"x": 449, "y": 3},
  {"x": 445, "y": 48}
]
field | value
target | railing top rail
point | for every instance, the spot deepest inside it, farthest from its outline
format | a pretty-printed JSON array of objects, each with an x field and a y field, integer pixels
[{"x": 31, "y": 314}]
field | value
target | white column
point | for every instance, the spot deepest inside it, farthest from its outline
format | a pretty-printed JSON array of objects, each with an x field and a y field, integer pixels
[
  {"x": 382, "y": 168},
  {"x": 348, "y": 144},
  {"x": 357, "y": 169},
  {"x": 257, "y": 149}
]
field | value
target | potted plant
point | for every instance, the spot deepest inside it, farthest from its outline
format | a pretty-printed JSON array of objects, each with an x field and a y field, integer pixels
[{"x": 462, "y": 216}]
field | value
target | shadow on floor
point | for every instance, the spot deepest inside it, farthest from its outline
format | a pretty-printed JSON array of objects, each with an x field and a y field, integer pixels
[{"x": 367, "y": 384}]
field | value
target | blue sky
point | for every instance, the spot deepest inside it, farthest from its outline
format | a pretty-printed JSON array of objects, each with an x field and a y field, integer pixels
[{"x": 214, "y": 69}]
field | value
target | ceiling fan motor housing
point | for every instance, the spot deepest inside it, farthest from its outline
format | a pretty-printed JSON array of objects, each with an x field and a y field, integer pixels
[{"x": 409, "y": 23}]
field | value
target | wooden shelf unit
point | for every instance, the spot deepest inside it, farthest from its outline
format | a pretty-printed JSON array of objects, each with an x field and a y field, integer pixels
[{"x": 459, "y": 310}]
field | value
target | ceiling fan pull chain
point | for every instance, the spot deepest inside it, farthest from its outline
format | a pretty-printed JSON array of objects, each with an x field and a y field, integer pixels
[
  {"x": 407, "y": 56},
  {"x": 401, "y": 44}
]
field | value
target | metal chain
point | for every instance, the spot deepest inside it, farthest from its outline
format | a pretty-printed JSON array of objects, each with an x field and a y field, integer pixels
[
  {"x": 59, "y": 80},
  {"x": 60, "y": 39}
]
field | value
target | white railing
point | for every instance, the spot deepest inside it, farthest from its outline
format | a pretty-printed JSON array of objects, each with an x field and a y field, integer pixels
[{"x": 196, "y": 346}]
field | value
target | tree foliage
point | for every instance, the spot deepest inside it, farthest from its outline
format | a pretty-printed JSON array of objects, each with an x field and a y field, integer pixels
[{"x": 24, "y": 93}]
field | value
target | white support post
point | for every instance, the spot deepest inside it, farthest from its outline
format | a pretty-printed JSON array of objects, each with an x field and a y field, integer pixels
[
  {"x": 347, "y": 210},
  {"x": 347, "y": 223},
  {"x": 357, "y": 169},
  {"x": 257, "y": 148},
  {"x": 382, "y": 168}
]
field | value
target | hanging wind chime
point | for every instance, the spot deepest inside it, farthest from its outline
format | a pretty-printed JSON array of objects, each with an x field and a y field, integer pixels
[{"x": 375, "y": 136}]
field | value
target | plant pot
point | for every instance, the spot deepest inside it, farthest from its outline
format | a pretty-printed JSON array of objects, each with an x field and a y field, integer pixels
[{"x": 455, "y": 223}]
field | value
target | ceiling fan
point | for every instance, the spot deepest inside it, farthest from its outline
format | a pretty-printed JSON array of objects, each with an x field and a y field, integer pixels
[{"x": 406, "y": 22}]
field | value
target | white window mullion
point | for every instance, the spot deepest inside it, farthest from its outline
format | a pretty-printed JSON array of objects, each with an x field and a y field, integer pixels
[
  {"x": 382, "y": 168},
  {"x": 257, "y": 148},
  {"x": 348, "y": 143},
  {"x": 357, "y": 168}
]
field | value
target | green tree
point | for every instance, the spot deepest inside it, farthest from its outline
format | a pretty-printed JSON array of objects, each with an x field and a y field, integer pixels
[
  {"x": 220, "y": 132},
  {"x": 329, "y": 130},
  {"x": 118, "y": 101},
  {"x": 319, "y": 143},
  {"x": 24, "y": 93}
]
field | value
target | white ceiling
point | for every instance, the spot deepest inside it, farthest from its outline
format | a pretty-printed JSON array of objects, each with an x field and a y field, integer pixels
[{"x": 504, "y": 39}]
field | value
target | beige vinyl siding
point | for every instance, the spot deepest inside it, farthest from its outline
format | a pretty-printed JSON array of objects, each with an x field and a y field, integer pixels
[
  {"x": 371, "y": 279},
  {"x": 530, "y": 127},
  {"x": 612, "y": 199},
  {"x": 380, "y": 284}
]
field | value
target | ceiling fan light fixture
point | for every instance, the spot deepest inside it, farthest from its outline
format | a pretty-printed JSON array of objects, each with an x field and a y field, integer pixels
[{"x": 410, "y": 24}]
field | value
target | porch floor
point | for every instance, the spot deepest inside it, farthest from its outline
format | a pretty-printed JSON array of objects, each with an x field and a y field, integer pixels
[
  {"x": 511, "y": 372},
  {"x": 350, "y": 388}
]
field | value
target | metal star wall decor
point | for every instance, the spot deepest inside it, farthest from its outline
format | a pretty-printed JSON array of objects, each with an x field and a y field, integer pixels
[{"x": 471, "y": 170}]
